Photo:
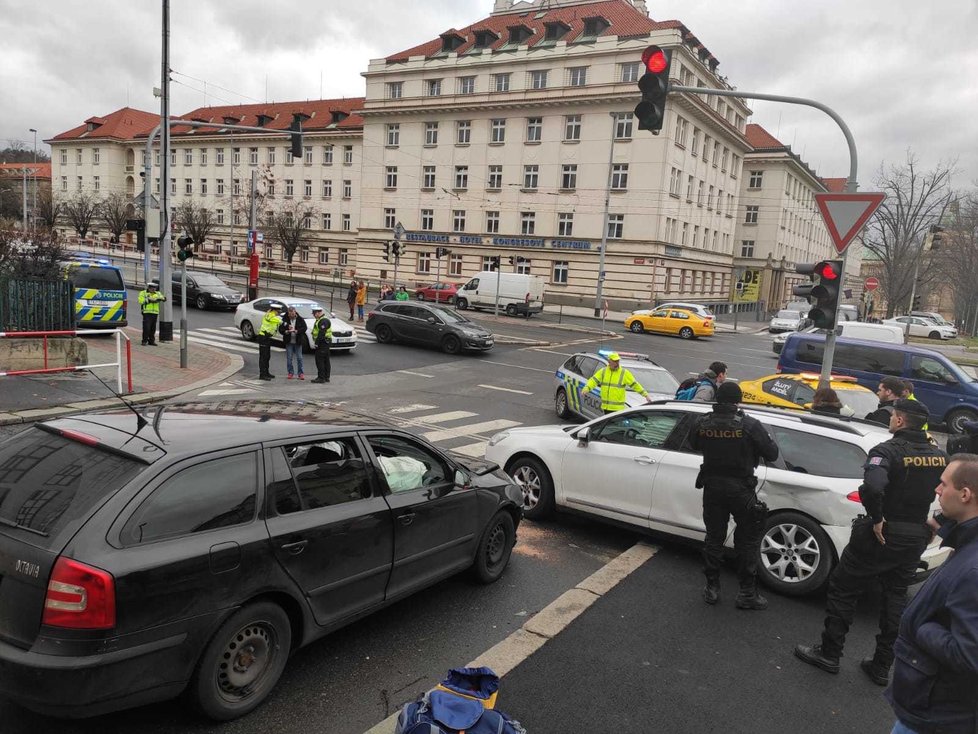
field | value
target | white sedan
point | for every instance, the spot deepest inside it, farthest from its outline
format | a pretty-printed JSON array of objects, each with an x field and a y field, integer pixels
[
  {"x": 636, "y": 467},
  {"x": 248, "y": 316},
  {"x": 786, "y": 320},
  {"x": 919, "y": 326}
]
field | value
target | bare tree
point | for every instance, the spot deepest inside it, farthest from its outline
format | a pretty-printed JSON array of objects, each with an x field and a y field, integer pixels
[
  {"x": 915, "y": 201},
  {"x": 80, "y": 209},
  {"x": 48, "y": 207},
  {"x": 958, "y": 255},
  {"x": 196, "y": 220},
  {"x": 116, "y": 209},
  {"x": 40, "y": 258},
  {"x": 287, "y": 223}
]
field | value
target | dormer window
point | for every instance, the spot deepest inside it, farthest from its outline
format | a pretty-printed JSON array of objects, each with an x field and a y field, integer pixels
[
  {"x": 264, "y": 119},
  {"x": 450, "y": 42},
  {"x": 337, "y": 116},
  {"x": 519, "y": 34},
  {"x": 594, "y": 26},
  {"x": 555, "y": 31},
  {"x": 485, "y": 39}
]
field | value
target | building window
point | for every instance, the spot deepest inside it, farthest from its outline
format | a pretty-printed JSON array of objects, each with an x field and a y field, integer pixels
[
  {"x": 427, "y": 220},
  {"x": 623, "y": 125},
  {"x": 531, "y": 176},
  {"x": 203, "y": 187},
  {"x": 716, "y": 153},
  {"x": 431, "y": 133},
  {"x": 463, "y": 132},
  {"x": 390, "y": 181},
  {"x": 307, "y": 188},
  {"x": 488, "y": 262},
  {"x": 173, "y": 186},
  {"x": 220, "y": 216},
  {"x": 347, "y": 155},
  {"x": 323, "y": 256},
  {"x": 434, "y": 87},
  {"x": 682, "y": 129},
  {"x": 288, "y": 157},
  {"x": 307, "y": 155},
  {"x": 173, "y": 157},
  {"x": 577, "y": 76},
  {"x": 461, "y": 177},
  {"x": 572, "y": 127},
  {"x": 675, "y": 182},
  {"x": 424, "y": 262},
  {"x": 751, "y": 217},
  {"x": 347, "y": 189},
  {"x": 747, "y": 248},
  {"x": 565, "y": 224},
  {"x": 346, "y": 225},
  {"x": 497, "y": 132},
  {"x": 289, "y": 187},
  {"x": 619, "y": 176},
  {"x": 64, "y": 158},
  {"x": 466, "y": 85},
  {"x": 96, "y": 156},
  {"x": 568, "y": 176},
  {"x": 345, "y": 253},
  {"x": 390, "y": 218},
  {"x": 528, "y": 222},
  {"x": 327, "y": 155},
  {"x": 327, "y": 221},
  {"x": 220, "y": 157},
  {"x": 455, "y": 265},
  {"x": 700, "y": 186},
  {"x": 629, "y": 71},
  {"x": 395, "y": 90},
  {"x": 694, "y": 146},
  {"x": 327, "y": 188},
  {"x": 306, "y": 222},
  {"x": 538, "y": 79},
  {"x": 689, "y": 189},
  {"x": 64, "y": 182},
  {"x": 756, "y": 177},
  {"x": 458, "y": 220},
  {"x": 723, "y": 159},
  {"x": 495, "y": 180},
  {"x": 734, "y": 165},
  {"x": 523, "y": 265},
  {"x": 78, "y": 156},
  {"x": 500, "y": 82},
  {"x": 616, "y": 226},
  {"x": 236, "y": 156},
  {"x": 534, "y": 129},
  {"x": 492, "y": 222},
  {"x": 428, "y": 177},
  {"x": 560, "y": 272},
  {"x": 394, "y": 133},
  {"x": 252, "y": 156},
  {"x": 220, "y": 187},
  {"x": 97, "y": 185}
]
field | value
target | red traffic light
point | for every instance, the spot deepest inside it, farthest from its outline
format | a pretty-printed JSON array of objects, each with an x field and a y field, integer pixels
[
  {"x": 655, "y": 60},
  {"x": 828, "y": 271}
]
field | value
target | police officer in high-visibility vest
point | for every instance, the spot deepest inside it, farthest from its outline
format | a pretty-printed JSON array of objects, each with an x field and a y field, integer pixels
[
  {"x": 732, "y": 445},
  {"x": 322, "y": 337},
  {"x": 614, "y": 381},
  {"x": 899, "y": 479},
  {"x": 266, "y": 332},
  {"x": 149, "y": 303}
]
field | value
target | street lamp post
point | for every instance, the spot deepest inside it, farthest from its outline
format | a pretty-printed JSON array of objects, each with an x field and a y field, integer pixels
[{"x": 34, "y": 191}]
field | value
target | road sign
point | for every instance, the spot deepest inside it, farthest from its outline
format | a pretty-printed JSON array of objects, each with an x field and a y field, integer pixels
[
  {"x": 398, "y": 231},
  {"x": 871, "y": 283},
  {"x": 845, "y": 214}
]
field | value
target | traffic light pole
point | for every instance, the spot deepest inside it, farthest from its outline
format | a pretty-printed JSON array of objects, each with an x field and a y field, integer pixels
[{"x": 183, "y": 315}]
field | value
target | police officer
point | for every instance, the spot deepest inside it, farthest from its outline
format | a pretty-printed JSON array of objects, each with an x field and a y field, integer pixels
[
  {"x": 732, "y": 445},
  {"x": 898, "y": 488},
  {"x": 322, "y": 336},
  {"x": 614, "y": 381},
  {"x": 270, "y": 323},
  {"x": 149, "y": 303}
]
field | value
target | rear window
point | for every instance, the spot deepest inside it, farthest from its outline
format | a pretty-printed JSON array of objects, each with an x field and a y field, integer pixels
[
  {"x": 49, "y": 485},
  {"x": 808, "y": 453},
  {"x": 103, "y": 279}
]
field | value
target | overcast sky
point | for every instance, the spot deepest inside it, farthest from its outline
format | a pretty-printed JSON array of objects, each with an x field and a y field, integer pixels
[{"x": 903, "y": 74}]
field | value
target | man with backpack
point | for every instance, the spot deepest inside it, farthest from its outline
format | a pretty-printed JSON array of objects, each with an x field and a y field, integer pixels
[
  {"x": 704, "y": 387},
  {"x": 888, "y": 392}
]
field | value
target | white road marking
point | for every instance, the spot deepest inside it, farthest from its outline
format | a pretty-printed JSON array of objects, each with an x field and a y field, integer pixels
[
  {"x": 517, "y": 366},
  {"x": 412, "y": 408},
  {"x": 452, "y": 415},
  {"x": 506, "y": 389},
  {"x": 472, "y": 429},
  {"x": 209, "y": 342},
  {"x": 475, "y": 450},
  {"x": 224, "y": 392},
  {"x": 550, "y": 351},
  {"x": 416, "y": 374}
]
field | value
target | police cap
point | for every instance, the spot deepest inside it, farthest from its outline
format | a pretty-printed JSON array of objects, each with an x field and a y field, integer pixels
[
  {"x": 911, "y": 407},
  {"x": 152, "y": 284},
  {"x": 317, "y": 309}
]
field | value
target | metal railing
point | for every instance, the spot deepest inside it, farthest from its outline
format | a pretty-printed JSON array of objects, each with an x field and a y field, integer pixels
[
  {"x": 36, "y": 305},
  {"x": 120, "y": 335}
]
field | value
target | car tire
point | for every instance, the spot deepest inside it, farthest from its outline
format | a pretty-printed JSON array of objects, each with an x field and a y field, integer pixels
[
  {"x": 686, "y": 333},
  {"x": 534, "y": 480},
  {"x": 419, "y": 295},
  {"x": 495, "y": 548},
  {"x": 934, "y": 335},
  {"x": 461, "y": 304},
  {"x": 560, "y": 404},
  {"x": 954, "y": 421},
  {"x": 202, "y": 302},
  {"x": 451, "y": 344},
  {"x": 636, "y": 327},
  {"x": 511, "y": 309},
  {"x": 243, "y": 661},
  {"x": 789, "y": 539},
  {"x": 247, "y": 331},
  {"x": 384, "y": 334}
]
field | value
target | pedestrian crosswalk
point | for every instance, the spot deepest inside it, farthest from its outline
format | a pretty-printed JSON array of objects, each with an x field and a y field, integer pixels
[
  {"x": 458, "y": 431},
  {"x": 229, "y": 339}
]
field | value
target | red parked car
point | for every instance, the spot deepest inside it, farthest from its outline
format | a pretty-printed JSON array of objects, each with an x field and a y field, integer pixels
[{"x": 439, "y": 292}]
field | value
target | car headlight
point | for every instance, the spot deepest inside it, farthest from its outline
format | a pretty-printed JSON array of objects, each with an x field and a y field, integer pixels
[{"x": 498, "y": 438}]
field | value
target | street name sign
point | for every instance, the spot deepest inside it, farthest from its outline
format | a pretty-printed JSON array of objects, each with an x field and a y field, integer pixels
[{"x": 845, "y": 214}]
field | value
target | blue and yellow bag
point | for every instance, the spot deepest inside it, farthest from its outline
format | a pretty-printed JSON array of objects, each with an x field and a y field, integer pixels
[{"x": 463, "y": 703}]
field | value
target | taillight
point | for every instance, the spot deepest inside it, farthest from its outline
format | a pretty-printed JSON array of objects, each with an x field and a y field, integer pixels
[
  {"x": 370, "y": 315},
  {"x": 79, "y": 597},
  {"x": 778, "y": 370},
  {"x": 854, "y": 496},
  {"x": 79, "y": 436}
]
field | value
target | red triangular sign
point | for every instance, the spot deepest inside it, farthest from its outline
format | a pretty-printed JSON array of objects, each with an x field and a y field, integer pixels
[{"x": 845, "y": 214}]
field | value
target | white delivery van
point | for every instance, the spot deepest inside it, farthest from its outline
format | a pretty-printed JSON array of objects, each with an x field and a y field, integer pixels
[
  {"x": 871, "y": 332},
  {"x": 519, "y": 295}
]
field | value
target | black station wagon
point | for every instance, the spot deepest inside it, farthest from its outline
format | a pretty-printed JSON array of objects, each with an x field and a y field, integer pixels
[{"x": 195, "y": 546}]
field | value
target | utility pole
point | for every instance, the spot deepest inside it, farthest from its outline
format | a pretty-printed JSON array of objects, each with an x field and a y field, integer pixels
[
  {"x": 166, "y": 323},
  {"x": 604, "y": 230},
  {"x": 34, "y": 187}
]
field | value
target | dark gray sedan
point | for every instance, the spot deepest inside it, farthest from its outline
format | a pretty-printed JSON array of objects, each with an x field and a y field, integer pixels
[{"x": 432, "y": 325}]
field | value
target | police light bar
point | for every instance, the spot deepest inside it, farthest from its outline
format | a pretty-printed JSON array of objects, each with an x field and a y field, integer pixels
[
  {"x": 624, "y": 355},
  {"x": 834, "y": 378}
]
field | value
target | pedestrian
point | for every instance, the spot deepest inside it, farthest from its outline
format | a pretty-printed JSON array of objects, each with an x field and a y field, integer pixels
[
  {"x": 708, "y": 382},
  {"x": 351, "y": 297},
  {"x": 732, "y": 445},
  {"x": 361, "y": 299},
  {"x": 907, "y": 393},
  {"x": 322, "y": 337},
  {"x": 885, "y": 544},
  {"x": 826, "y": 400},
  {"x": 270, "y": 324},
  {"x": 935, "y": 676},
  {"x": 293, "y": 331},
  {"x": 149, "y": 303},
  {"x": 402, "y": 294},
  {"x": 614, "y": 381},
  {"x": 889, "y": 391}
]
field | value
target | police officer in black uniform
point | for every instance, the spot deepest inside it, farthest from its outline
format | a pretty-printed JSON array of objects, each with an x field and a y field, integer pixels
[
  {"x": 322, "y": 335},
  {"x": 732, "y": 445},
  {"x": 897, "y": 491}
]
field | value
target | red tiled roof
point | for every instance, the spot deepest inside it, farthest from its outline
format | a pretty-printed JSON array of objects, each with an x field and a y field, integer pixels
[
  {"x": 761, "y": 139},
  {"x": 835, "y": 185},
  {"x": 320, "y": 112},
  {"x": 15, "y": 170},
  {"x": 124, "y": 124},
  {"x": 624, "y": 18}
]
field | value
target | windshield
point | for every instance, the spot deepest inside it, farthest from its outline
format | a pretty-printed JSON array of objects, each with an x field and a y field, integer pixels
[
  {"x": 790, "y": 315},
  {"x": 102, "y": 279},
  {"x": 862, "y": 402},
  {"x": 653, "y": 380},
  {"x": 304, "y": 309},
  {"x": 452, "y": 317},
  {"x": 208, "y": 279}
]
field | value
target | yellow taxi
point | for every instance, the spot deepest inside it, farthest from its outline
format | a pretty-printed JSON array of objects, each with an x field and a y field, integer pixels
[
  {"x": 682, "y": 322},
  {"x": 797, "y": 391}
]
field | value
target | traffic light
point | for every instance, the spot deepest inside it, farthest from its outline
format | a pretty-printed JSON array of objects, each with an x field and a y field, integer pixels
[
  {"x": 512, "y": 260},
  {"x": 654, "y": 85},
  {"x": 295, "y": 134},
  {"x": 397, "y": 249},
  {"x": 521, "y": 260},
  {"x": 387, "y": 252},
  {"x": 185, "y": 244},
  {"x": 494, "y": 262},
  {"x": 916, "y": 303},
  {"x": 823, "y": 292},
  {"x": 139, "y": 227},
  {"x": 440, "y": 252}
]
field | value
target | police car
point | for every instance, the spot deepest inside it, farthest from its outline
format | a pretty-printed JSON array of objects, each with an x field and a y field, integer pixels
[
  {"x": 101, "y": 300},
  {"x": 570, "y": 400}
]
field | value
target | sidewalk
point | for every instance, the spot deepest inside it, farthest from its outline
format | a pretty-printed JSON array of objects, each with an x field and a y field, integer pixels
[{"x": 156, "y": 376}]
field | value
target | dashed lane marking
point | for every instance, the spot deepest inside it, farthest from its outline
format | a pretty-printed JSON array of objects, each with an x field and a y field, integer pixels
[
  {"x": 411, "y": 408},
  {"x": 475, "y": 450},
  {"x": 416, "y": 374},
  {"x": 517, "y": 366},
  {"x": 506, "y": 389},
  {"x": 452, "y": 415}
]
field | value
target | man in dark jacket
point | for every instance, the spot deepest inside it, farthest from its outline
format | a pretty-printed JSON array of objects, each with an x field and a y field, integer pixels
[
  {"x": 935, "y": 677},
  {"x": 322, "y": 337},
  {"x": 732, "y": 445},
  {"x": 897, "y": 491},
  {"x": 888, "y": 392}
]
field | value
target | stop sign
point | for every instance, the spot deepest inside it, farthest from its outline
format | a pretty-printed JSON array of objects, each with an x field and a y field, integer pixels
[{"x": 872, "y": 284}]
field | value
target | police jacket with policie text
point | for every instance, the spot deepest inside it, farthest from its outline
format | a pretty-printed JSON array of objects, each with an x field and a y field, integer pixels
[
  {"x": 614, "y": 384},
  {"x": 900, "y": 477},
  {"x": 732, "y": 443}
]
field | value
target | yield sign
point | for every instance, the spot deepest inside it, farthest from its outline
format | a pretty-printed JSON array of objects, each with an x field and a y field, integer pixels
[{"x": 845, "y": 214}]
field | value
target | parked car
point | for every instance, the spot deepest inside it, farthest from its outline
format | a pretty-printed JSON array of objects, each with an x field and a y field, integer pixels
[
  {"x": 248, "y": 316},
  {"x": 786, "y": 320},
  {"x": 636, "y": 467},
  {"x": 428, "y": 324},
  {"x": 933, "y": 316},
  {"x": 681, "y": 322},
  {"x": 437, "y": 292},
  {"x": 196, "y": 550},
  {"x": 206, "y": 290},
  {"x": 920, "y": 326},
  {"x": 698, "y": 308}
]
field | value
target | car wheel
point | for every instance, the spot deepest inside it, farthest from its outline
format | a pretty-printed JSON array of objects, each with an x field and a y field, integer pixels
[
  {"x": 461, "y": 304},
  {"x": 495, "y": 548},
  {"x": 202, "y": 302},
  {"x": 511, "y": 309},
  {"x": 243, "y": 662},
  {"x": 384, "y": 334},
  {"x": 420, "y": 296},
  {"x": 533, "y": 478},
  {"x": 636, "y": 327},
  {"x": 686, "y": 333},
  {"x": 247, "y": 330},
  {"x": 934, "y": 335},
  {"x": 451, "y": 345},
  {"x": 795, "y": 557},
  {"x": 955, "y": 420},
  {"x": 560, "y": 404}
]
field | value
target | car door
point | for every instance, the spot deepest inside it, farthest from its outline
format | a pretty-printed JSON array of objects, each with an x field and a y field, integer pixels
[
  {"x": 435, "y": 522},
  {"x": 393, "y": 316},
  {"x": 934, "y": 384},
  {"x": 329, "y": 525},
  {"x": 589, "y": 401},
  {"x": 416, "y": 326},
  {"x": 612, "y": 474},
  {"x": 677, "y": 320},
  {"x": 658, "y": 321}
]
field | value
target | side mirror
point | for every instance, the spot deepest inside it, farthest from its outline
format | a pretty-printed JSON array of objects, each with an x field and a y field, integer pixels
[
  {"x": 461, "y": 479},
  {"x": 950, "y": 380},
  {"x": 432, "y": 320},
  {"x": 584, "y": 437}
]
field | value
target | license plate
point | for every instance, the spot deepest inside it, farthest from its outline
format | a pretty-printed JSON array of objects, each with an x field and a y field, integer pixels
[{"x": 100, "y": 303}]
